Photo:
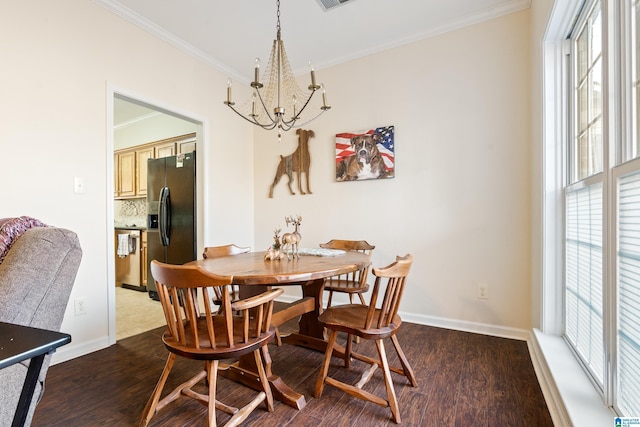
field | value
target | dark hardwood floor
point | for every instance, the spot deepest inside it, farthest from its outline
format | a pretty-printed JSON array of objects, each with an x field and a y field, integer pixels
[{"x": 464, "y": 379}]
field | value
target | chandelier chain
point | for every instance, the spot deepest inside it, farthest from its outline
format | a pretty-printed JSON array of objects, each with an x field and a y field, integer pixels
[{"x": 278, "y": 16}]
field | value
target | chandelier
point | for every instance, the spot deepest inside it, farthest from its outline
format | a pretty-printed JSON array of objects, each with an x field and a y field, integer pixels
[{"x": 282, "y": 104}]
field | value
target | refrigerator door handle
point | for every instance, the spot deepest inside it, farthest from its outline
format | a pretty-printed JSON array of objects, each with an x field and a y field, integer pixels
[{"x": 164, "y": 216}]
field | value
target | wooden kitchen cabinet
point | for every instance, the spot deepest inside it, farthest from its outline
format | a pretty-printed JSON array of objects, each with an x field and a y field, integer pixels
[
  {"x": 143, "y": 259},
  {"x": 125, "y": 174},
  {"x": 130, "y": 164},
  {"x": 187, "y": 146},
  {"x": 177, "y": 145},
  {"x": 116, "y": 175},
  {"x": 165, "y": 149},
  {"x": 142, "y": 155}
]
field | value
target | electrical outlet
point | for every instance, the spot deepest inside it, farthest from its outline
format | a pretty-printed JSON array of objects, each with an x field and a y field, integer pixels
[
  {"x": 78, "y": 185},
  {"x": 483, "y": 291},
  {"x": 80, "y": 306}
]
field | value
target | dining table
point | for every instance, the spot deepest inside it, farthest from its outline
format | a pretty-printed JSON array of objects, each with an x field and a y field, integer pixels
[{"x": 309, "y": 271}]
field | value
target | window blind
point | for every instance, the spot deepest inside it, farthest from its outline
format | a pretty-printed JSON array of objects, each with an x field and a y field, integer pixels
[
  {"x": 583, "y": 276},
  {"x": 628, "y": 336}
]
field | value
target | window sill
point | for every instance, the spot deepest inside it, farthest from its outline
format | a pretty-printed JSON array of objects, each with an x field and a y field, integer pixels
[{"x": 570, "y": 395}]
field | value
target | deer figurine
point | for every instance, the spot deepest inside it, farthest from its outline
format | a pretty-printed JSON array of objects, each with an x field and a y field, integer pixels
[
  {"x": 273, "y": 252},
  {"x": 290, "y": 241}
]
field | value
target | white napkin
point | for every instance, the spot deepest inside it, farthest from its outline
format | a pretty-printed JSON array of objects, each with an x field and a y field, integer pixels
[{"x": 123, "y": 245}]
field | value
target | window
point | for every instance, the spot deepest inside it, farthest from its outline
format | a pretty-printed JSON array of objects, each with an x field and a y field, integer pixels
[
  {"x": 627, "y": 395},
  {"x": 628, "y": 370},
  {"x": 588, "y": 95},
  {"x": 584, "y": 208},
  {"x": 602, "y": 200},
  {"x": 583, "y": 282}
]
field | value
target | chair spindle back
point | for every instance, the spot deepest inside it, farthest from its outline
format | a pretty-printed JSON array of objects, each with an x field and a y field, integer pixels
[
  {"x": 358, "y": 277},
  {"x": 186, "y": 294},
  {"x": 395, "y": 274}
]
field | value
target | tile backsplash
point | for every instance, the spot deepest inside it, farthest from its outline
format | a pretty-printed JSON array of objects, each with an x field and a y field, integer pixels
[{"x": 130, "y": 212}]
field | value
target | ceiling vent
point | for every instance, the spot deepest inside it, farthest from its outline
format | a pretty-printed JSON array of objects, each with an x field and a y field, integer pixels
[{"x": 331, "y": 4}]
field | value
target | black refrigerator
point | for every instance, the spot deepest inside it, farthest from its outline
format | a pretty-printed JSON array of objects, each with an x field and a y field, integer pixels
[{"x": 171, "y": 209}]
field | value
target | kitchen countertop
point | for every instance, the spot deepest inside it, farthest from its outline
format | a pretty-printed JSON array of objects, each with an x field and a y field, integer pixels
[{"x": 130, "y": 227}]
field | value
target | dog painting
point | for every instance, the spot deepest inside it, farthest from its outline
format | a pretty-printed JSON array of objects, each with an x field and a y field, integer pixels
[{"x": 365, "y": 154}]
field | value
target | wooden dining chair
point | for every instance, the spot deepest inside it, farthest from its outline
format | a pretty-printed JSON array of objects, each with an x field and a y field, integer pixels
[
  {"x": 370, "y": 323},
  {"x": 220, "y": 251},
  {"x": 195, "y": 332},
  {"x": 224, "y": 250},
  {"x": 351, "y": 283}
]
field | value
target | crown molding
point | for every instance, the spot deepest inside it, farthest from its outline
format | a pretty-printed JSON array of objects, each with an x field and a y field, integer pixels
[
  {"x": 159, "y": 32},
  {"x": 505, "y": 8}
]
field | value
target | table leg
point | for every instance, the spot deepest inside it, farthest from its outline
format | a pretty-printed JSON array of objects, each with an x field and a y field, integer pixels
[
  {"x": 245, "y": 372},
  {"x": 310, "y": 335}
]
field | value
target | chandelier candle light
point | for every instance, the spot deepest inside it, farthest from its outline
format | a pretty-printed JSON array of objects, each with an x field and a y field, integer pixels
[{"x": 268, "y": 106}]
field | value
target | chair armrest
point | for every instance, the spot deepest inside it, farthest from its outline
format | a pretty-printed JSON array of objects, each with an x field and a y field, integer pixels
[{"x": 256, "y": 300}]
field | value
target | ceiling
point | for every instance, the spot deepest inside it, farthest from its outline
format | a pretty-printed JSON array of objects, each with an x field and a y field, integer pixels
[
  {"x": 230, "y": 34},
  {"x": 127, "y": 111}
]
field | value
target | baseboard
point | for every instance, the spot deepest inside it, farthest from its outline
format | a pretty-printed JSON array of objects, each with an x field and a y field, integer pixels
[
  {"x": 69, "y": 352},
  {"x": 465, "y": 326}
]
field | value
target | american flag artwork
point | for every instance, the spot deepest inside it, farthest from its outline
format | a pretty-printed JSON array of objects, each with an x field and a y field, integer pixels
[{"x": 346, "y": 155}]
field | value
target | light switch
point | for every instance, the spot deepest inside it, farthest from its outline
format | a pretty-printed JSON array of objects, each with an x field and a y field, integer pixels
[{"x": 78, "y": 185}]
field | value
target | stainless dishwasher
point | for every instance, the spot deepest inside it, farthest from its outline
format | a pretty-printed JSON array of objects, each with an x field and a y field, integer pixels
[{"x": 128, "y": 259}]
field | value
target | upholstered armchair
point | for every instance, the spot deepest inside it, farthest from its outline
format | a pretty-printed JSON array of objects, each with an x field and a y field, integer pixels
[{"x": 37, "y": 273}]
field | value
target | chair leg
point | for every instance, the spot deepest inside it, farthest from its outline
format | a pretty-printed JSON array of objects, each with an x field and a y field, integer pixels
[
  {"x": 347, "y": 351},
  {"x": 212, "y": 379},
  {"x": 322, "y": 375},
  {"x": 362, "y": 301},
  {"x": 408, "y": 372},
  {"x": 329, "y": 300},
  {"x": 356, "y": 338},
  {"x": 388, "y": 383},
  {"x": 264, "y": 380},
  {"x": 150, "y": 408},
  {"x": 278, "y": 337}
]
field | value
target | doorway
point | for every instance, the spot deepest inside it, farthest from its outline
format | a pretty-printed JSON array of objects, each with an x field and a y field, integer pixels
[{"x": 135, "y": 126}]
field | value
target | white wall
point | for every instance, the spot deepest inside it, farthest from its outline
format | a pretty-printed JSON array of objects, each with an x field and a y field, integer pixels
[
  {"x": 461, "y": 198},
  {"x": 60, "y": 59}
]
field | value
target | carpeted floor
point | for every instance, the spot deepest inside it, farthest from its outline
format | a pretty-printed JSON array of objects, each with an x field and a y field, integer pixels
[{"x": 136, "y": 313}]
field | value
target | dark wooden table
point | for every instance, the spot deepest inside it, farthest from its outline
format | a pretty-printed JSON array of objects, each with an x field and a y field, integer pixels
[
  {"x": 19, "y": 343},
  {"x": 254, "y": 274}
]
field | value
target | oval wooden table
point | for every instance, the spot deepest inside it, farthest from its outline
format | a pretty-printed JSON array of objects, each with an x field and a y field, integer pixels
[{"x": 254, "y": 274}]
